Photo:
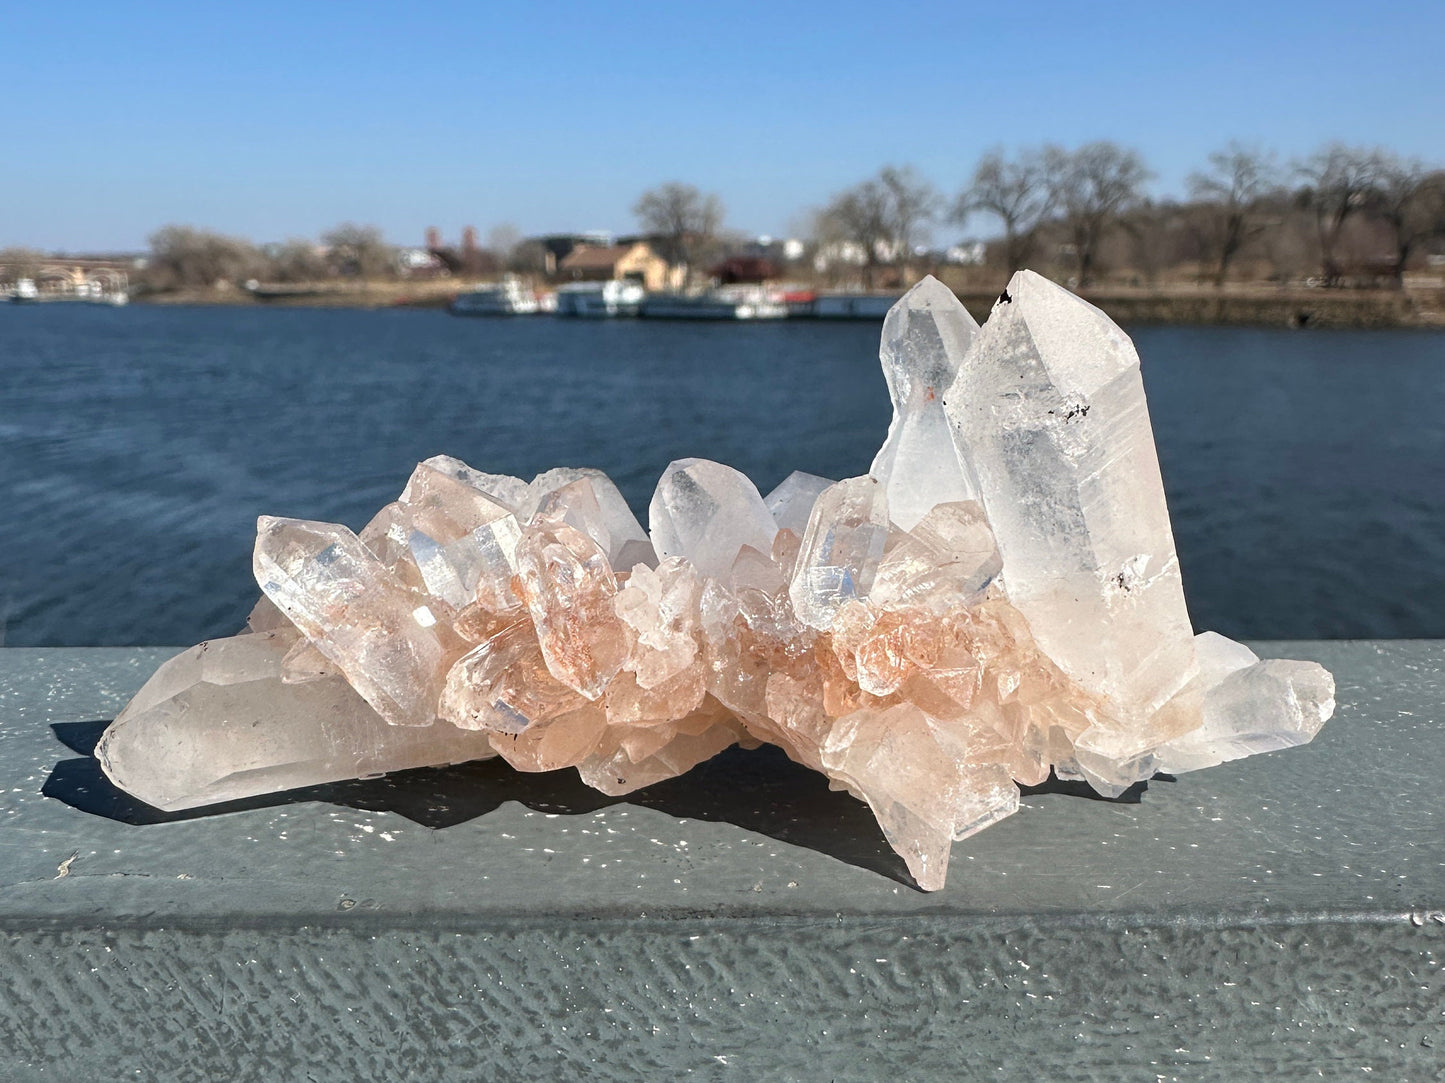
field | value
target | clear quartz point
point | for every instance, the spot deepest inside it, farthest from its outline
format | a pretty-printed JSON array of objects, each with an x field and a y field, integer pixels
[
  {"x": 998, "y": 599},
  {"x": 847, "y": 530},
  {"x": 1049, "y": 408},
  {"x": 1250, "y": 706},
  {"x": 706, "y": 512},
  {"x": 217, "y": 723},
  {"x": 461, "y": 540},
  {"x": 503, "y": 488},
  {"x": 924, "y": 797},
  {"x": 925, "y": 337},
  {"x": 792, "y": 501},
  {"x": 384, "y": 637},
  {"x": 593, "y": 505}
]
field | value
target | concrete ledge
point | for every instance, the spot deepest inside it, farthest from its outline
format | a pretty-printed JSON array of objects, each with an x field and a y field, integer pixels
[{"x": 1274, "y": 918}]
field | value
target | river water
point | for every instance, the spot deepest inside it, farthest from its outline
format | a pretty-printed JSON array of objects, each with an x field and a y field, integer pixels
[{"x": 1305, "y": 470}]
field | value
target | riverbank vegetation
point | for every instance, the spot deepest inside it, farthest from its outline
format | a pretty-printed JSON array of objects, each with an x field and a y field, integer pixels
[{"x": 1343, "y": 217}]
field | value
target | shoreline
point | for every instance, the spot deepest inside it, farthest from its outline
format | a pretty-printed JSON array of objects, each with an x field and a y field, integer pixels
[{"x": 1243, "y": 305}]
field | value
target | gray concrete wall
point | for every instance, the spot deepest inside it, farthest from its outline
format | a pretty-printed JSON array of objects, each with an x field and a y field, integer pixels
[{"x": 1278, "y": 918}]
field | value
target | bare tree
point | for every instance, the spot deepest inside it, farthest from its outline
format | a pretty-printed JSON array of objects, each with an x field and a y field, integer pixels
[
  {"x": 18, "y": 263},
  {"x": 295, "y": 260},
  {"x": 684, "y": 219},
  {"x": 1290, "y": 243},
  {"x": 1410, "y": 199},
  {"x": 858, "y": 217},
  {"x": 885, "y": 217},
  {"x": 502, "y": 242},
  {"x": 185, "y": 256},
  {"x": 358, "y": 251},
  {"x": 912, "y": 203},
  {"x": 1093, "y": 186},
  {"x": 1153, "y": 236},
  {"x": 1229, "y": 194},
  {"x": 1017, "y": 193},
  {"x": 1340, "y": 180}
]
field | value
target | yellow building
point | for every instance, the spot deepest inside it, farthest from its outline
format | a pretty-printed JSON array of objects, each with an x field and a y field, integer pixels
[{"x": 624, "y": 262}]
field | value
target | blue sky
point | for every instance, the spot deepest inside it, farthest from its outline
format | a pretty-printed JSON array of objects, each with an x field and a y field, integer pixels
[{"x": 272, "y": 120}]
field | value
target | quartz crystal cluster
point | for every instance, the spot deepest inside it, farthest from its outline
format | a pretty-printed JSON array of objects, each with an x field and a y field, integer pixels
[{"x": 997, "y": 599}]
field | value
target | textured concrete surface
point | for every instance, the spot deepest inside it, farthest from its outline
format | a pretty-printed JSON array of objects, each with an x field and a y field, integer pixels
[{"x": 1281, "y": 917}]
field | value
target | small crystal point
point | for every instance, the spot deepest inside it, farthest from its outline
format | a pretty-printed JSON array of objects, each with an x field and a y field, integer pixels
[
  {"x": 564, "y": 741},
  {"x": 925, "y": 337},
  {"x": 569, "y": 589},
  {"x": 303, "y": 662},
  {"x": 217, "y": 723},
  {"x": 661, "y": 608},
  {"x": 458, "y": 540},
  {"x": 792, "y": 501},
  {"x": 503, "y": 685},
  {"x": 946, "y": 561},
  {"x": 1250, "y": 706},
  {"x": 841, "y": 549},
  {"x": 382, "y": 636},
  {"x": 503, "y": 488},
  {"x": 694, "y": 739},
  {"x": 707, "y": 512},
  {"x": 924, "y": 797},
  {"x": 594, "y": 505}
]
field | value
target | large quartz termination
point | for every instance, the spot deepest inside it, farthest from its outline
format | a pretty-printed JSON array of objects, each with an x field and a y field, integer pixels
[
  {"x": 998, "y": 599},
  {"x": 218, "y": 723}
]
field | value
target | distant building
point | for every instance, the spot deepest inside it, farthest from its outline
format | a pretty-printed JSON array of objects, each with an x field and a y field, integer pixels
[
  {"x": 780, "y": 251},
  {"x": 556, "y": 247},
  {"x": 846, "y": 253},
  {"x": 419, "y": 263},
  {"x": 94, "y": 276},
  {"x": 969, "y": 254},
  {"x": 635, "y": 262}
]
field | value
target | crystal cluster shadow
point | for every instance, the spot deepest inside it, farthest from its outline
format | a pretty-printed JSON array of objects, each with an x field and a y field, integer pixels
[{"x": 760, "y": 791}]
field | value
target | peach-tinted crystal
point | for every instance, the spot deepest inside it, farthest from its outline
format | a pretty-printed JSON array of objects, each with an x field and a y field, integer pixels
[{"x": 997, "y": 600}]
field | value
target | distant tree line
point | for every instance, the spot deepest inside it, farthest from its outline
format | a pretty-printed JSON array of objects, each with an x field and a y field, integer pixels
[
  {"x": 1340, "y": 216},
  {"x": 1343, "y": 215},
  {"x": 184, "y": 257}
]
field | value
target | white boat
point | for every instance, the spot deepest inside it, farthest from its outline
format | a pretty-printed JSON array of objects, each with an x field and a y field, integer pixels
[
  {"x": 505, "y": 298},
  {"x": 724, "y": 303},
  {"x": 26, "y": 292},
  {"x": 599, "y": 300}
]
